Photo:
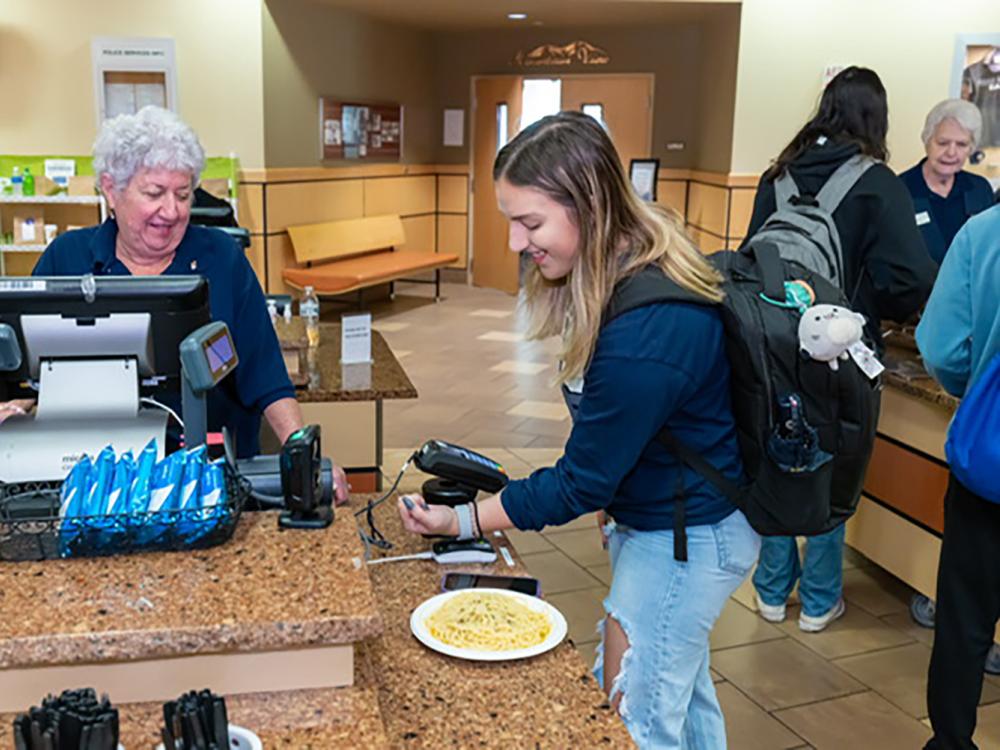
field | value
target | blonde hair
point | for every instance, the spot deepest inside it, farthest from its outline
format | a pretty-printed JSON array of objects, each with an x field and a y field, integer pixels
[{"x": 570, "y": 158}]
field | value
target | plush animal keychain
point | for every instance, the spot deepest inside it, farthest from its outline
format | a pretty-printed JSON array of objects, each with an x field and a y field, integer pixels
[{"x": 827, "y": 333}]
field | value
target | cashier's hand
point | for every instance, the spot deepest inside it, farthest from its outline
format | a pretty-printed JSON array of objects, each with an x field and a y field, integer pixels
[
  {"x": 342, "y": 490},
  {"x": 17, "y": 407},
  {"x": 421, "y": 518}
]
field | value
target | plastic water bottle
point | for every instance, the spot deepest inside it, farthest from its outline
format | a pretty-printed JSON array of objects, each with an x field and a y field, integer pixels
[
  {"x": 16, "y": 182},
  {"x": 28, "y": 187},
  {"x": 309, "y": 310}
]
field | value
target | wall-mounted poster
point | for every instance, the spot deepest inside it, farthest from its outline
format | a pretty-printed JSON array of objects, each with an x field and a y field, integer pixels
[
  {"x": 350, "y": 130},
  {"x": 976, "y": 78}
]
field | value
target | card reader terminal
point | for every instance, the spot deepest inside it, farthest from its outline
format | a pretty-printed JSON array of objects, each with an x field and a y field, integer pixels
[
  {"x": 469, "y": 551},
  {"x": 461, "y": 465}
]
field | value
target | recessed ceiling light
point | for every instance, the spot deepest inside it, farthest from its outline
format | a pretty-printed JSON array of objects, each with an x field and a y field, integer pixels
[{"x": 517, "y": 16}]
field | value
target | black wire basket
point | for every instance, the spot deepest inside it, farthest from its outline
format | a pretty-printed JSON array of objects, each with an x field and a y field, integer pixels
[{"x": 31, "y": 528}]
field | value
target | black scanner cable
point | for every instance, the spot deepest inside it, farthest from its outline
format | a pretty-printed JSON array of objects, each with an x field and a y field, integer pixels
[{"x": 376, "y": 538}]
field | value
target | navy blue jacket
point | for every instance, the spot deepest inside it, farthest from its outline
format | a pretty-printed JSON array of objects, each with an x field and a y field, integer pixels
[
  {"x": 235, "y": 297},
  {"x": 940, "y": 218},
  {"x": 662, "y": 364}
]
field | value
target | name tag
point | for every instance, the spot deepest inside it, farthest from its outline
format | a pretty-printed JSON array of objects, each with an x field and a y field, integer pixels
[{"x": 923, "y": 218}]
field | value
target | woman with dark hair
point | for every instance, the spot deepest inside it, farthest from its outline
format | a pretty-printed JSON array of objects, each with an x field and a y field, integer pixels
[
  {"x": 573, "y": 213},
  {"x": 887, "y": 274}
]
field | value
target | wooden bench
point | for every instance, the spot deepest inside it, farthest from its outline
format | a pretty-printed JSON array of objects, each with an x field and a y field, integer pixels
[{"x": 338, "y": 257}]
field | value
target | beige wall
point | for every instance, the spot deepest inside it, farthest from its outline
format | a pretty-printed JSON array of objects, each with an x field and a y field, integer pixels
[
  {"x": 678, "y": 55},
  {"x": 785, "y": 45},
  {"x": 312, "y": 50},
  {"x": 46, "y": 78}
]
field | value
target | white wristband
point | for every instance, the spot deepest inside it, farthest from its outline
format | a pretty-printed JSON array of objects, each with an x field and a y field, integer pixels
[{"x": 464, "y": 514}]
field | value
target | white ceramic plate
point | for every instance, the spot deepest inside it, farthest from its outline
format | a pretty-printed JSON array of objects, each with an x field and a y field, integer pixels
[{"x": 419, "y": 618}]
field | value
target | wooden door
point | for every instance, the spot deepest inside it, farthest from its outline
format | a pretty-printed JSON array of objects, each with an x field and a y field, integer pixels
[
  {"x": 627, "y": 101},
  {"x": 493, "y": 264}
]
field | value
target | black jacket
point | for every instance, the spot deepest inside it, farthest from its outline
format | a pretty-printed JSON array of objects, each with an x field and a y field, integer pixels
[{"x": 888, "y": 272}]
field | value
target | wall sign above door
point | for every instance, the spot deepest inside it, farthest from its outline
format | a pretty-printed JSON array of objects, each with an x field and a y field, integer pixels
[{"x": 581, "y": 52}]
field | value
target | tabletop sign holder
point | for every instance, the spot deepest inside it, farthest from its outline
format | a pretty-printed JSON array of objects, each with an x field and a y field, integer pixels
[
  {"x": 356, "y": 338},
  {"x": 351, "y": 130}
]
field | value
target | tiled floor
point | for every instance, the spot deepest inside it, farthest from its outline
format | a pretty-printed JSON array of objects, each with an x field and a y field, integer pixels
[{"x": 858, "y": 685}]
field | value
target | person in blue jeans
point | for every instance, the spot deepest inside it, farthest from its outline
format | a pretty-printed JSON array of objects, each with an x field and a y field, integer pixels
[
  {"x": 572, "y": 211},
  {"x": 887, "y": 274}
]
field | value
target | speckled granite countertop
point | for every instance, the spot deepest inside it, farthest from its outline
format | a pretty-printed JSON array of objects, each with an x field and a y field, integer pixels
[
  {"x": 265, "y": 589},
  {"x": 905, "y": 370},
  {"x": 433, "y": 701},
  {"x": 329, "y": 380}
]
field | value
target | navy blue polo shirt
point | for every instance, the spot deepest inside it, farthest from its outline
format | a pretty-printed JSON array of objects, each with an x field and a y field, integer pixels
[
  {"x": 235, "y": 297},
  {"x": 939, "y": 219}
]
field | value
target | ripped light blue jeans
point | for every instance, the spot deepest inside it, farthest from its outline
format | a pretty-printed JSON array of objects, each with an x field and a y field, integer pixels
[{"x": 667, "y": 609}]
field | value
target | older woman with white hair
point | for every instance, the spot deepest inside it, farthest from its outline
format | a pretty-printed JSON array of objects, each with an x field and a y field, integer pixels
[
  {"x": 148, "y": 166},
  {"x": 944, "y": 195}
]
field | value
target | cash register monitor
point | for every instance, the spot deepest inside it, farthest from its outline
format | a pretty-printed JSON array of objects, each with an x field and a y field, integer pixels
[{"x": 73, "y": 317}]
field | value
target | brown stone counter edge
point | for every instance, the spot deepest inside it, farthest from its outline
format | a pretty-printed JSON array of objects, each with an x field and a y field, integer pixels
[{"x": 924, "y": 388}]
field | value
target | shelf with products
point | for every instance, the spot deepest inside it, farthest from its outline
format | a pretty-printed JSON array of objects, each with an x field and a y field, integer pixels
[
  {"x": 73, "y": 200},
  {"x": 37, "y": 248}
]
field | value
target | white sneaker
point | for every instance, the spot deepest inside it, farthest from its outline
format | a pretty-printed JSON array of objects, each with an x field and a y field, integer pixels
[
  {"x": 771, "y": 612},
  {"x": 809, "y": 624}
]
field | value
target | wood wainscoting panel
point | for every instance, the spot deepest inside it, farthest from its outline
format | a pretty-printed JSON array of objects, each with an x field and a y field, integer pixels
[
  {"x": 279, "y": 257},
  {"x": 292, "y": 203},
  {"x": 400, "y": 195},
  {"x": 250, "y": 207},
  {"x": 453, "y": 194},
  {"x": 707, "y": 207},
  {"x": 453, "y": 237},
  {"x": 673, "y": 194},
  {"x": 421, "y": 233},
  {"x": 740, "y": 210},
  {"x": 908, "y": 482},
  {"x": 255, "y": 254},
  {"x": 707, "y": 242}
]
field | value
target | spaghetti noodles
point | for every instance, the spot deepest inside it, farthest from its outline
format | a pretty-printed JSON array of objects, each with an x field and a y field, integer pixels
[{"x": 488, "y": 622}]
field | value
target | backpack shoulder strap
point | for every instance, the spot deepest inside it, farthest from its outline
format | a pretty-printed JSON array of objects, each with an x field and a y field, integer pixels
[
  {"x": 647, "y": 286},
  {"x": 839, "y": 184},
  {"x": 784, "y": 190}
]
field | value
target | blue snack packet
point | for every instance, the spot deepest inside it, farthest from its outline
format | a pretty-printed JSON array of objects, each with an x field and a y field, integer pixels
[
  {"x": 211, "y": 499},
  {"x": 165, "y": 488},
  {"x": 138, "y": 496},
  {"x": 121, "y": 483},
  {"x": 194, "y": 464},
  {"x": 75, "y": 487},
  {"x": 100, "y": 483},
  {"x": 71, "y": 502}
]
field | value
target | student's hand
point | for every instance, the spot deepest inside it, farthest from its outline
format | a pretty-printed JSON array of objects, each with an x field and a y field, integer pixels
[
  {"x": 18, "y": 407},
  {"x": 341, "y": 489},
  {"x": 421, "y": 518}
]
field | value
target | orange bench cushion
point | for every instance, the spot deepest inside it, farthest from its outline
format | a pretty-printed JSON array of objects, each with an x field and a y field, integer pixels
[{"x": 351, "y": 274}]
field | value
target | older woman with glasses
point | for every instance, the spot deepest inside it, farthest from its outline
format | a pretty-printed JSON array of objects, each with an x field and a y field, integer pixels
[{"x": 944, "y": 195}]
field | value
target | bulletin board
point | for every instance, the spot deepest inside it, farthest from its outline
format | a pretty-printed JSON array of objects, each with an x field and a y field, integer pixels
[{"x": 350, "y": 130}]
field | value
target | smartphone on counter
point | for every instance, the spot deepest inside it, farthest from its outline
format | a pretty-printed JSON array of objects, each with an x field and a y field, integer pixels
[{"x": 456, "y": 581}]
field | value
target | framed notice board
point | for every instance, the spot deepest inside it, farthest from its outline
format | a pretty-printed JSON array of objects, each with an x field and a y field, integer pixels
[{"x": 350, "y": 130}]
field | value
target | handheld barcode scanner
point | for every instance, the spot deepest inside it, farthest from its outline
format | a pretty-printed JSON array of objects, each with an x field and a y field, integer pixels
[
  {"x": 301, "y": 482},
  {"x": 460, "y": 473}
]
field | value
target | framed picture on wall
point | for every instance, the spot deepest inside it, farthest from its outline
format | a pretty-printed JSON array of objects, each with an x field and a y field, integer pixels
[
  {"x": 131, "y": 73},
  {"x": 642, "y": 174},
  {"x": 975, "y": 77},
  {"x": 353, "y": 130}
]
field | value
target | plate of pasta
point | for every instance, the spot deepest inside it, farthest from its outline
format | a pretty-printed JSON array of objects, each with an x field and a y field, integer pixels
[{"x": 488, "y": 624}]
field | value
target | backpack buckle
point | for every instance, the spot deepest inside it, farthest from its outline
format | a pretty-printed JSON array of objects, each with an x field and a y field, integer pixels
[{"x": 804, "y": 200}]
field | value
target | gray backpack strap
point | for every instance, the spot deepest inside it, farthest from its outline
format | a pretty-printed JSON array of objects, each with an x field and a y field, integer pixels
[
  {"x": 784, "y": 190},
  {"x": 839, "y": 184}
]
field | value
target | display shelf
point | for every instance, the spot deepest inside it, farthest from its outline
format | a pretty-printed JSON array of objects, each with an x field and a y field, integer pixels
[
  {"x": 78, "y": 200},
  {"x": 22, "y": 248}
]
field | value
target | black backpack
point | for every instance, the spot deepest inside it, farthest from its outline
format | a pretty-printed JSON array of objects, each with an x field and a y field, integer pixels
[{"x": 839, "y": 408}]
